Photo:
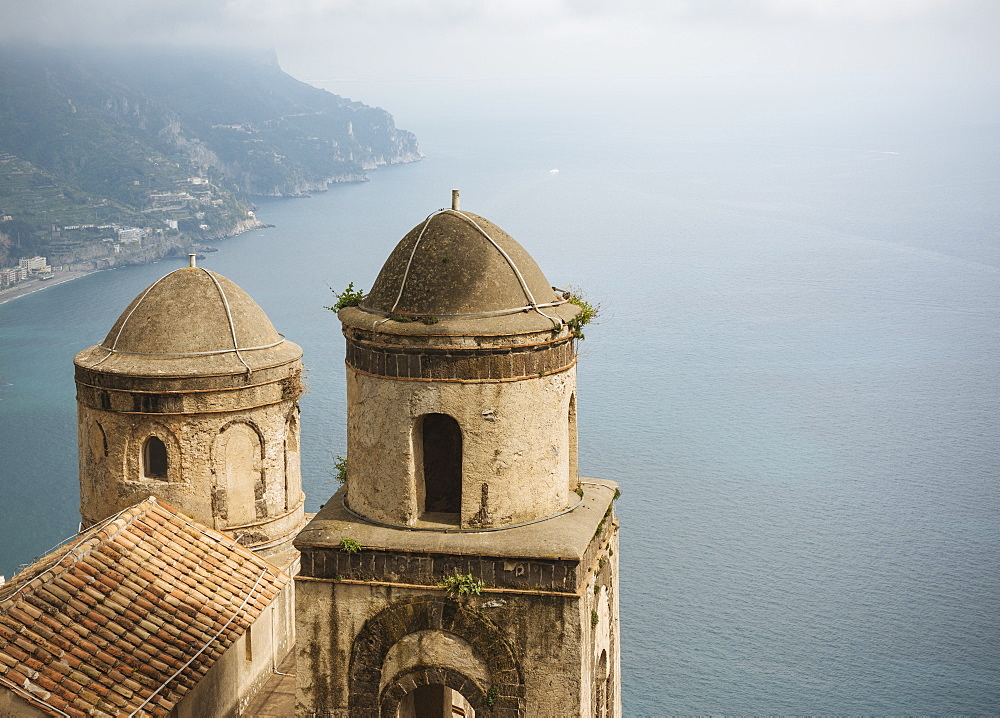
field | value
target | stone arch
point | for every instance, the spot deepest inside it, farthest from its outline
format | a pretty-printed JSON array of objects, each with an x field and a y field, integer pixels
[
  {"x": 386, "y": 628},
  {"x": 239, "y": 468},
  {"x": 418, "y": 676}
]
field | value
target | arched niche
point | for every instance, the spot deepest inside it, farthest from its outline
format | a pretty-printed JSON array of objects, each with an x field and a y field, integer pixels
[
  {"x": 97, "y": 441},
  {"x": 602, "y": 688},
  {"x": 439, "y": 439},
  {"x": 573, "y": 444},
  {"x": 239, "y": 465},
  {"x": 292, "y": 487}
]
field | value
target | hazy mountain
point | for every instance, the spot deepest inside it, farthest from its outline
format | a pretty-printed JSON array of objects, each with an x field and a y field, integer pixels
[{"x": 146, "y": 136}]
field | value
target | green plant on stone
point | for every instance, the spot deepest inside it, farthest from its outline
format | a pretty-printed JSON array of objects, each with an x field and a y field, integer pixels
[
  {"x": 594, "y": 618},
  {"x": 460, "y": 584},
  {"x": 347, "y": 298},
  {"x": 491, "y": 697},
  {"x": 600, "y": 526},
  {"x": 349, "y": 545},
  {"x": 340, "y": 466},
  {"x": 589, "y": 311},
  {"x": 578, "y": 491}
]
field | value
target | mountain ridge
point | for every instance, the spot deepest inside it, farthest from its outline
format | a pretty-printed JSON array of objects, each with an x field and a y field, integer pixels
[{"x": 175, "y": 141}]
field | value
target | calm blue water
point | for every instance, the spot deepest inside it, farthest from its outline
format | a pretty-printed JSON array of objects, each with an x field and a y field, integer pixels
[{"x": 795, "y": 380}]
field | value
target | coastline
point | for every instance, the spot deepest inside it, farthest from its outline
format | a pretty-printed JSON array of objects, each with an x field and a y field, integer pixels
[{"x": 23, "y": 289}]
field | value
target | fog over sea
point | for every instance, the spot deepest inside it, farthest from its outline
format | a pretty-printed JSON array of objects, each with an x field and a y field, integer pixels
[{"x": 795, "y": 375}]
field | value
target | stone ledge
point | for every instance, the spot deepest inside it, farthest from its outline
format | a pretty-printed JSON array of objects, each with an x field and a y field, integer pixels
[
  {"x": 564, "y": 537},
  {"x": 553, "y": 555}
]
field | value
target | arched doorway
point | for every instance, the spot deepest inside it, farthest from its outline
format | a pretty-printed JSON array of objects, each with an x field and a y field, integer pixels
[
  {"x": 498, "y": 693},
  {"x": 441, "y": 444}
]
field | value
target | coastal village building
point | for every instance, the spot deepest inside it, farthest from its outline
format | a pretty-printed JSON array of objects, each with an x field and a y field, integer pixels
[
  {"x": 464, "y": 569},
  {"x": 33, "y": 264},
  {"x": 26, "y": 267}
]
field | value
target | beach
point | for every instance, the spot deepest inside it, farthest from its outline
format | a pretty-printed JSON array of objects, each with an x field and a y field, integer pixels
[{"x": 36, "y": 285}]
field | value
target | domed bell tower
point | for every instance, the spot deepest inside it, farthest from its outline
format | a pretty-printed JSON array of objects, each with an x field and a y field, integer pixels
[
  {"x": 464, "y": 564},
  {"x": 461, "y": 381},
  {"x": 193, "y": 398}
]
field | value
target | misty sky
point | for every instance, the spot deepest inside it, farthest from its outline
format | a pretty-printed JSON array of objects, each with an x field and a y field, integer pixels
[
  {"x": 418, "y": 39},
  {"x": 908, "y": 55}
]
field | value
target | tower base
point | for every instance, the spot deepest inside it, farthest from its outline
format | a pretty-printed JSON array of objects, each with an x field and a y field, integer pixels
[{"x": 376, "y": 631}]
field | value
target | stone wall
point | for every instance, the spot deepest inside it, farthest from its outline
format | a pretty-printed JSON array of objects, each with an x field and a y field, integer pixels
[
  {"x": 426, "y": 568},
  {"x": 230, "y": 685},
  {"x": 516, "y": 442},
  {"x": 540, "y": 640},
  {"x": 232, "y": 451},
  {"x": 14, "y": 705}
]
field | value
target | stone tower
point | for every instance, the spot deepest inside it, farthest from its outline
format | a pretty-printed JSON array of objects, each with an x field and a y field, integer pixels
[
  {"x": 461, "y": 384},
  {"x": 193, "y": 398}
]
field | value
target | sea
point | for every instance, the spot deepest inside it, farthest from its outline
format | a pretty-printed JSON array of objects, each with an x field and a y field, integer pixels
[{"x": 795, "y": 375}]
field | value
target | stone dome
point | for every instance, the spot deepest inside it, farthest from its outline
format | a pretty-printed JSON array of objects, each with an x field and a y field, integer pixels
[
  {"x": 457, "y": 267},
  {"x": 192, "y": 321}
]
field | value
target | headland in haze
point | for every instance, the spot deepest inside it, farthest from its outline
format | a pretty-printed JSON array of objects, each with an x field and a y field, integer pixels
[{"x": 123, "y": 156}]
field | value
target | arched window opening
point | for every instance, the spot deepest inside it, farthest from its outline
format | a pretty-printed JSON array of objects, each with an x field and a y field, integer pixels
[
  {"x": 292, "y": 470},
  {"x": 154, "y": 458},
  {"x": 442, "y": 452},
  {"x": 434, "y": 701}
]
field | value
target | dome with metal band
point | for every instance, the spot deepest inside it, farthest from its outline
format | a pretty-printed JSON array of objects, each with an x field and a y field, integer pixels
[
  {"x": 190, "y": 322},
  {"x": 456, "y": 267}
]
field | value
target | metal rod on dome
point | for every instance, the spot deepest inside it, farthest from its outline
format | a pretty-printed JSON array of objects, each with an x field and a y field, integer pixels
[
  {"x": 191, "y": 258},
  {"x": 454, "y": 199}
]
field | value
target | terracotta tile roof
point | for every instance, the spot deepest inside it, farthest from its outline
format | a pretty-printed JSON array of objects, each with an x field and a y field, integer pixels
[{"x": 130, "y": 615}]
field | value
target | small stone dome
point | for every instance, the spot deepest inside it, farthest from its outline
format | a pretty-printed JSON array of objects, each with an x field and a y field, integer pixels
[
  {"x": 458, "y": 266},
  {"x": 192, "y": 321}
]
